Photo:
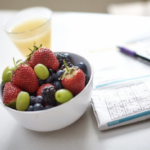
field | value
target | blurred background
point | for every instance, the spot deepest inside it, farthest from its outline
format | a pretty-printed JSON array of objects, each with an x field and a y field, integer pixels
[{"x": 130, "y": 7}]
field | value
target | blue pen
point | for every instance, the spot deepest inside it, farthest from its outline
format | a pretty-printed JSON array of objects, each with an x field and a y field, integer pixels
[{"x": 133, "y": 54}]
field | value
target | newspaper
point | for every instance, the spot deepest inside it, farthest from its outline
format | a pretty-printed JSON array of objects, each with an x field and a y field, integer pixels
[
  {"x": 122, "y": 103},
  {"x": 121, "y": 92}
]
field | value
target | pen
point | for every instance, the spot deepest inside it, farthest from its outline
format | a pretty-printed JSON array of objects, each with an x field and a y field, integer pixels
[{"x": 133, "y": 54}]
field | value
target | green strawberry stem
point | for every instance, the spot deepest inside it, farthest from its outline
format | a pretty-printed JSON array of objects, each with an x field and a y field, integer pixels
[
  {"x": 17, "y": 64},
  {"x": 14, "y": 67},
  {"x": 67, "y": 70},
  {"x": 65, "y": 65},
  {"x": 14, "y": 62},
  {"x": 32, "y": 51}
]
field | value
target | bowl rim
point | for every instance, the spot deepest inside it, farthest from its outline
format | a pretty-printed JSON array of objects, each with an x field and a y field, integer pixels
[{"x": 53, "y": 108}]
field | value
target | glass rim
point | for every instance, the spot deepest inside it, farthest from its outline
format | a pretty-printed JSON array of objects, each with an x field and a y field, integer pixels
[{"x": 16, "y": 33}]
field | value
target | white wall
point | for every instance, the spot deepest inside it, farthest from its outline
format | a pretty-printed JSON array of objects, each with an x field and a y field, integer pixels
[{"x": 62, "y": 5}]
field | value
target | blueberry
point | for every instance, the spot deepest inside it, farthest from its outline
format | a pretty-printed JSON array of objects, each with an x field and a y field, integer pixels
[
  {"x": 57, "y": 103},
  {"x": 41, "y": 82},
  {"x": 39, "y": 99},
  {"x": 58, "y": 74},
  {"x": 50, "y": 71},
  {"x": 87, "y": 78},
  {"x": 32, "y": 100},
  {"x": 54, "y": 77},
  {"x": 58, "y": 85},
  {"x": 3, "y": 87},
  {"x": 30, "y": 108},
  {"x": 82, "y": 66},
  {"x": 37, "y": 106},
  {"x": 48, "y": 106},
  {"x": 50, "y": 79}
]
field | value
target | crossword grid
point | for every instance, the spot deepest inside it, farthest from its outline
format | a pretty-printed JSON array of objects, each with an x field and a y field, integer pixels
[{"x": 127, "y": 100}]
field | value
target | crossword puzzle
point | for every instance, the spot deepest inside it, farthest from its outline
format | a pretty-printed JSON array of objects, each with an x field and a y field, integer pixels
[{"x": 127, "y": 100}]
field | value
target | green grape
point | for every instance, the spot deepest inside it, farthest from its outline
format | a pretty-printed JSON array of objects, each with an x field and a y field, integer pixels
[
  {"x": 23, "y": 101},
  {"x": 63, "y": 95},
  {"x": 6, "y": 76},
  {"x": 41, "y": 71}
]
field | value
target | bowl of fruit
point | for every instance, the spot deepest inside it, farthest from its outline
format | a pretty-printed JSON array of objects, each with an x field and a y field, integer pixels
[{"x": 47, "y": 91}]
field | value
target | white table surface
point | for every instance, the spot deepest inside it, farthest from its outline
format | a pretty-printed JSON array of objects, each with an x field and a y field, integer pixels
[{"x": 78, "y": 32}]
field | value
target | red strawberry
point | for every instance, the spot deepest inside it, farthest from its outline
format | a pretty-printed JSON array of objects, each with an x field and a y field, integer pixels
[
  {"x": 73, "y": 79},
  {"x": 39, "y": 91},
  {"x": 25, "y": 78},
  {"x": 10, "y": 94},
  {"x": 43, "y": 56}
]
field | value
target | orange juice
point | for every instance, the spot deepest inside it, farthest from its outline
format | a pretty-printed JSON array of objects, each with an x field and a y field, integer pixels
[{"x": 27, "y": 33}]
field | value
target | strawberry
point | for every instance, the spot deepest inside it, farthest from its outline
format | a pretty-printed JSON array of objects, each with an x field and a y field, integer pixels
[
  {"x": 39, "y": 91},
  {"x": 25, "y": 78},
  {"x": 73, "y": 79},
  {"x": 10, "y": 94},
  {"x": 42, "y": 55}
]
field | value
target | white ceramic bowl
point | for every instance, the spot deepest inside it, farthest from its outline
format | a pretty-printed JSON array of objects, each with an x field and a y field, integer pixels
[{"x": 60, "y": 116}]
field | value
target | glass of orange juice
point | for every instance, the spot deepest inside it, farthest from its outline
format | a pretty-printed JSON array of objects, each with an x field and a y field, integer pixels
[{"x": 28, "y": 27}]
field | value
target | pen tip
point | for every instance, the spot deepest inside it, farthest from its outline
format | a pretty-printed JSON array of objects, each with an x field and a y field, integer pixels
[{"x": 119, "y": 47}]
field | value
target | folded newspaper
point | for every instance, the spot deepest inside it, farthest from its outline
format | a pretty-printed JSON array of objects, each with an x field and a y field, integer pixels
[
  {"x": 122, "y": 102},
  {"x": 121, "y": 92}
]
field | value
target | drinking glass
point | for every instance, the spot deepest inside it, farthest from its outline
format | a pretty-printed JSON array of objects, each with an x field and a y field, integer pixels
[{"x": 28, "y": 27}]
